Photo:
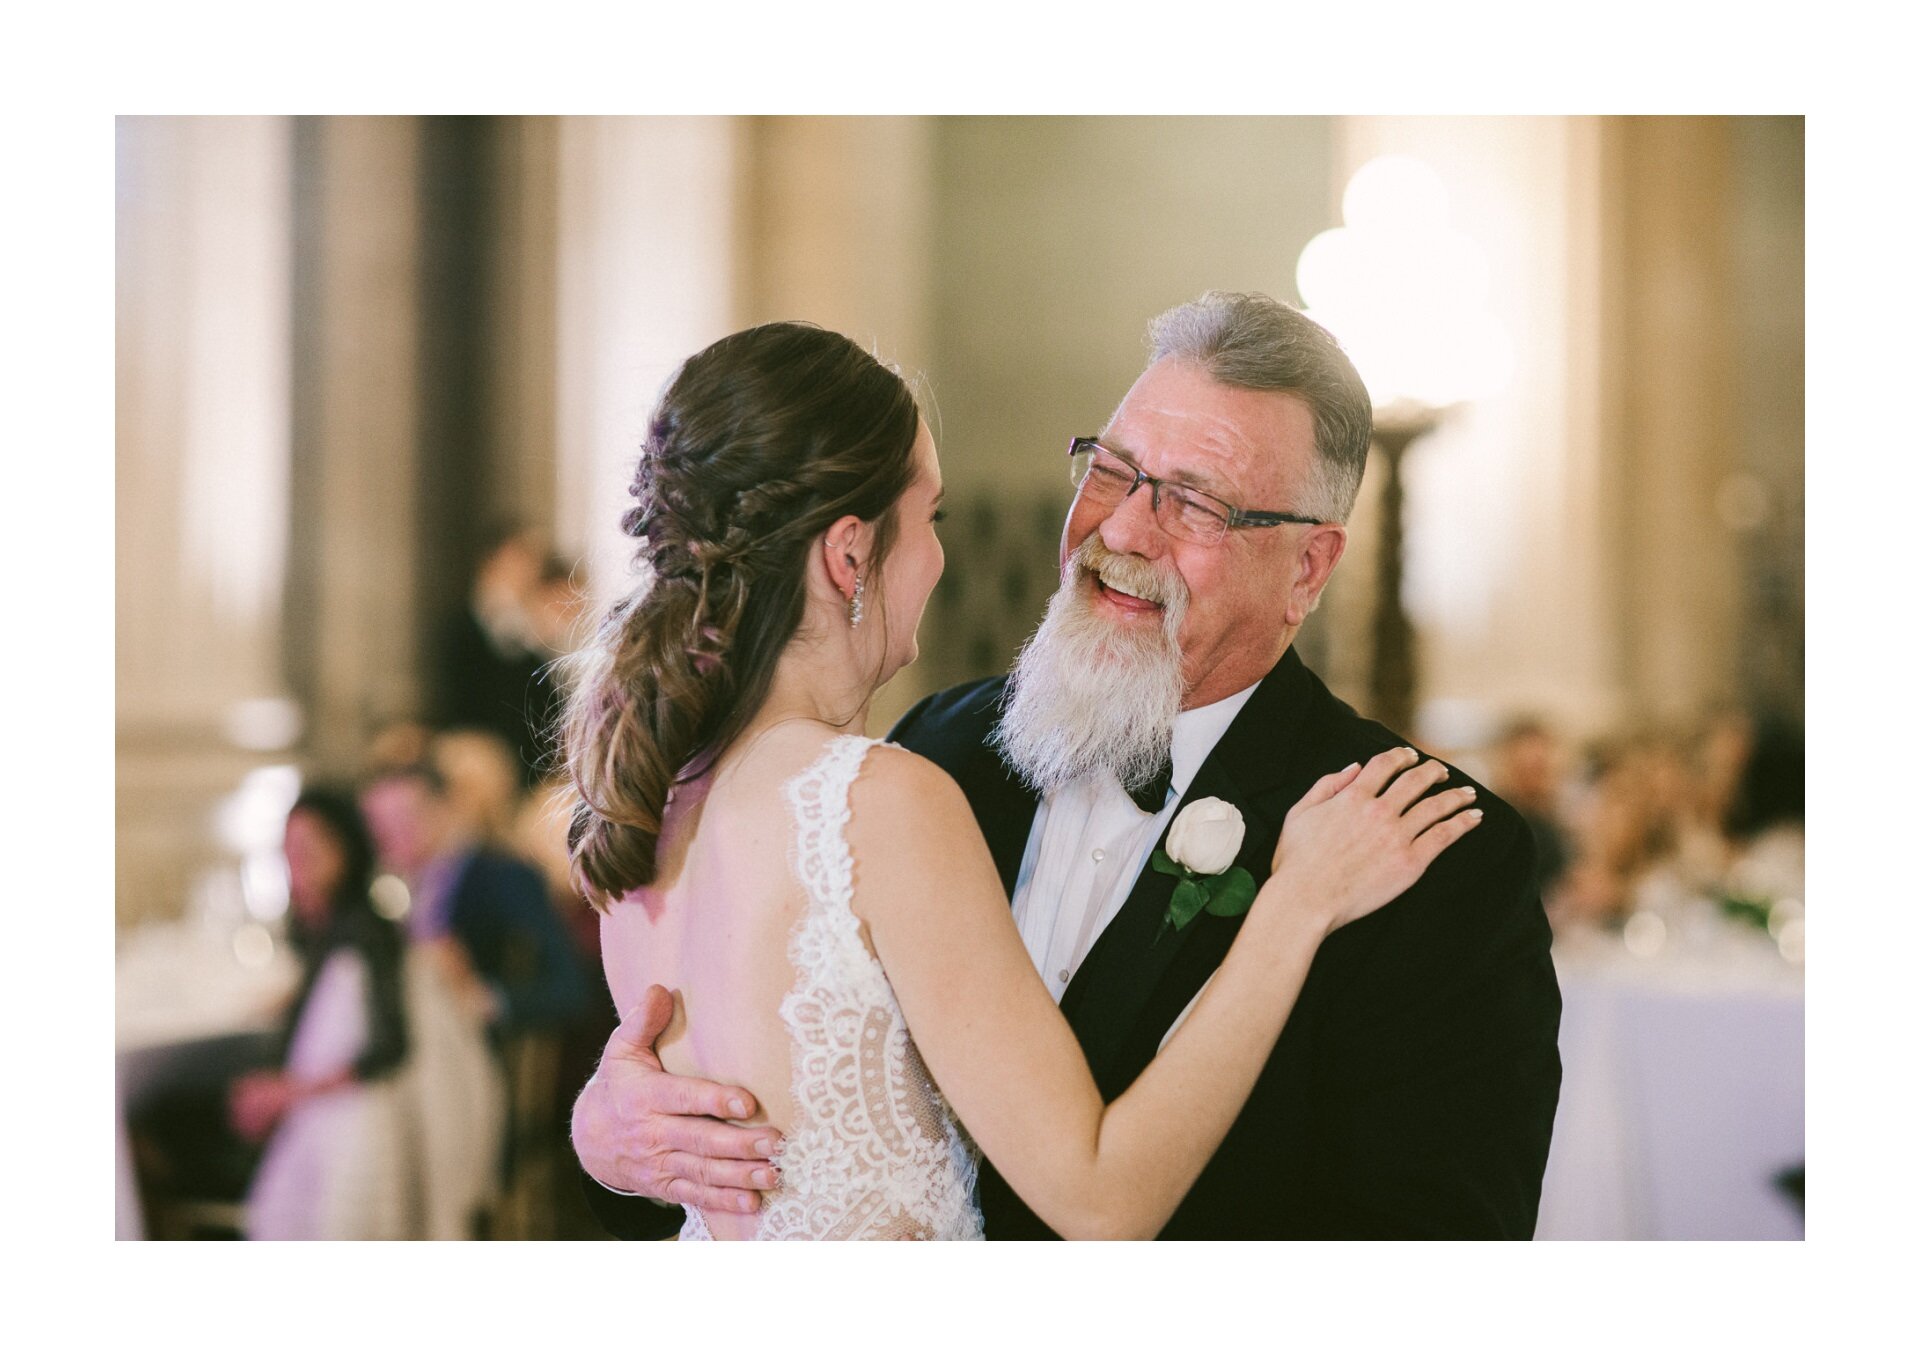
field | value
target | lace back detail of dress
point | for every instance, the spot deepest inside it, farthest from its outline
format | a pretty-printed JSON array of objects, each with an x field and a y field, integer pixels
[{"x": 874, "y": 1151}]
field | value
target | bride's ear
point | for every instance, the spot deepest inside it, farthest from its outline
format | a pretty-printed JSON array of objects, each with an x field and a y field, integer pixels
[{"x": 845, "y": 549}]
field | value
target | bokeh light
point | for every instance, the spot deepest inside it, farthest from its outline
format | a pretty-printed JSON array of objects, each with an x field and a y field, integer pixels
[{"x": 1405, "y": 292}]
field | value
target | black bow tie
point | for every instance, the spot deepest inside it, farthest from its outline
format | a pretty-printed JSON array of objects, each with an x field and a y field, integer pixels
[{"x": 1152, "y": 798}]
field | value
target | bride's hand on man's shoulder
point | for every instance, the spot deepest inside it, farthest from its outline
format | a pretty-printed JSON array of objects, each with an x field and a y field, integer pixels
[{"x": 1362, "y": 836}]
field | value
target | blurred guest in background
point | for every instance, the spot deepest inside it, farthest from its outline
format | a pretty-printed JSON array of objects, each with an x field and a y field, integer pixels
[
  {"x": 1659, "y": 828},
  {"x": 559, "y": 601},
  {"x": 488, "y": 656},
  {"x": 1693, "y": 847},
  {"x": 1721, "y": 747},
  {"x": 1766, "y": 814},
  {"x": 483, "y": 783},
  {"x": 398, "y": 743},
  {"x": 1527, "y": 774},
  {"x": 484, "y": 913},
  {"x": 335, "y": 1166},
  {"x": 559, "y": 604},
  {"x": 1627, "y": 826},
  {"x": 540, "y": 837}
]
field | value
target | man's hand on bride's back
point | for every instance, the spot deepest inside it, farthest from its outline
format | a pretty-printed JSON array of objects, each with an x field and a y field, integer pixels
[
  {"x": 641, "y": 1130},
  {"x": 1362, "y": 836}
]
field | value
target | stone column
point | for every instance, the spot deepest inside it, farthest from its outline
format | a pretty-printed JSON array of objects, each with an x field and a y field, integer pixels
[
  {"x": 1765, "y": 501},
  {"x": 353, "y": 621},
  {"x": 836, "y": 228},
  {"x": 647, "y": 250},
  {"x": 1670, "y": 419},
  {"x": 202, "y": 374},
  {"x": 519, "y": 362}
]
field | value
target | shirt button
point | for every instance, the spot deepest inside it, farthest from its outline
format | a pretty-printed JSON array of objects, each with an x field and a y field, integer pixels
[
  {"x": 1099, "y": 854},
  {"x": 1063, "y": 976}
]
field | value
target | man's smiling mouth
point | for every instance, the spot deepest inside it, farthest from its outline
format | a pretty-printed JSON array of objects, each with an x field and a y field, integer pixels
[{"x": 1119, "y": 596}]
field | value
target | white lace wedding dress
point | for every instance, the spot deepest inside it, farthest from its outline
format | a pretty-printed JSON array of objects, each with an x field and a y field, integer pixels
[{"x": 873, "y": 1151}]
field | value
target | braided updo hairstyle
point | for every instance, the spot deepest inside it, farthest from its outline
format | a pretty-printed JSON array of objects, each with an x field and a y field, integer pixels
[{"x": 761, "y": 442}]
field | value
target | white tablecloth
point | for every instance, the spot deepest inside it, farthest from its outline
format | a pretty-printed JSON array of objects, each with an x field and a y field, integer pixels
[
  {"x": 177, "y": 987},
  {"x": 1684, "y": 1092},
  {"x": 178, "y": 982}
]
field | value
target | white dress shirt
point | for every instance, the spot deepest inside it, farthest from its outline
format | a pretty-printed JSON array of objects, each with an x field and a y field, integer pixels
[{"x": 1089, "y": 843}]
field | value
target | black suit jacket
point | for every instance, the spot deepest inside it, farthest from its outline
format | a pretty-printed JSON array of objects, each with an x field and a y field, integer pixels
[{"x": 1412, "y": 1092}]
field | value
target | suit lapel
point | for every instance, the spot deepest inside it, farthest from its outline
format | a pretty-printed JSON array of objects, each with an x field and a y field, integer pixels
[
  {"x": 1122, "y": 971},
  {"x": 1004, "y": 808},
  {"x": 957, "y": 735}
]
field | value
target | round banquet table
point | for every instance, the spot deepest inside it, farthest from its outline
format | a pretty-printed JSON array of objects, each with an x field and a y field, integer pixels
[{"x": 1683, "y": 1097}]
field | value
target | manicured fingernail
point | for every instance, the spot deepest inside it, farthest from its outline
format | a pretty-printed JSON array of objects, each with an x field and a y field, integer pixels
[
  {"x": 1471, "y": 793},
  {"x": 763, "y": 1177},
  {"x": 1474, "y": 814},
  {"x": 737, "y": 1106},
  {"x": 763, "y": 1147}
]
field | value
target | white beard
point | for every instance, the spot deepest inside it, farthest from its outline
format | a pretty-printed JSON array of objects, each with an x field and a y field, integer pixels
[{"x": 1087, "y": 695}]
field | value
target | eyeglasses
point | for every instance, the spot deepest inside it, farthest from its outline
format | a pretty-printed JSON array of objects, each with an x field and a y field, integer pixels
[{"x": 1104, "y": 477}]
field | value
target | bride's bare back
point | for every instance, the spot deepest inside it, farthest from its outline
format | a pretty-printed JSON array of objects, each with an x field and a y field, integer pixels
[
  {"x": 713, "y": 928},
  {"x": 752, "y": 921}
]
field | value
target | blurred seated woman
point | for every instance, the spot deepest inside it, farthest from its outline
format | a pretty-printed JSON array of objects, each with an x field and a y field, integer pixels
[{"x": 332, "y": 1112}]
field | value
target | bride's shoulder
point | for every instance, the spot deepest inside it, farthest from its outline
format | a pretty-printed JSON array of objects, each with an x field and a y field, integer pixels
[
  {"x": 888, "y": 790},
  {"x": 906, "y": 772},
  {"x": 911, "y": 830},
  {"x": 898, "y": 791}
]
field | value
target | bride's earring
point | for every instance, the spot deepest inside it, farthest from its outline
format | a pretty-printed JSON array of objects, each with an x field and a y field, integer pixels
[{"x": 855, "y": 608}]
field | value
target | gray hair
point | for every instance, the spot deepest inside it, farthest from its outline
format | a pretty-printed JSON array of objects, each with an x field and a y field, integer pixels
[{"x": 1253, "y": 342}]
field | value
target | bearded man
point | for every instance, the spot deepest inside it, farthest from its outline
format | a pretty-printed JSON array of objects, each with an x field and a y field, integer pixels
[{"x": 1413, "y": 1090}]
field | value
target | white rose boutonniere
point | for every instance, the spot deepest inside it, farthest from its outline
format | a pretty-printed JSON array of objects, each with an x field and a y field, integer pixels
[
  {"x": 1201, "y": 846},
  {"x": 1206, "y": 836}
]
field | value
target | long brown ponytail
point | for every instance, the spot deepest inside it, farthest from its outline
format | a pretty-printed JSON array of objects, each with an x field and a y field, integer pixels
[{"x": 761, "y": 442}]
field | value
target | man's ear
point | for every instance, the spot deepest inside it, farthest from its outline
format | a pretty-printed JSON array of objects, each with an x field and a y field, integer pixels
[
  {"x": 845, "y": 549},
  {"x": 1320, "y": 551}
]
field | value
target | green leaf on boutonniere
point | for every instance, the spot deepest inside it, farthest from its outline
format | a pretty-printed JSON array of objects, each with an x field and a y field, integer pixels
[
  {"x": 1189, "y": 898},
  {"x": 1232, "y": 894},
  {"x": 1166, "y": 865}
]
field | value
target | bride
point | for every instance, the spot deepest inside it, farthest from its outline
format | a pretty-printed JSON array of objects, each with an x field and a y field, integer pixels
[{"x": 812, "y": 897}]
